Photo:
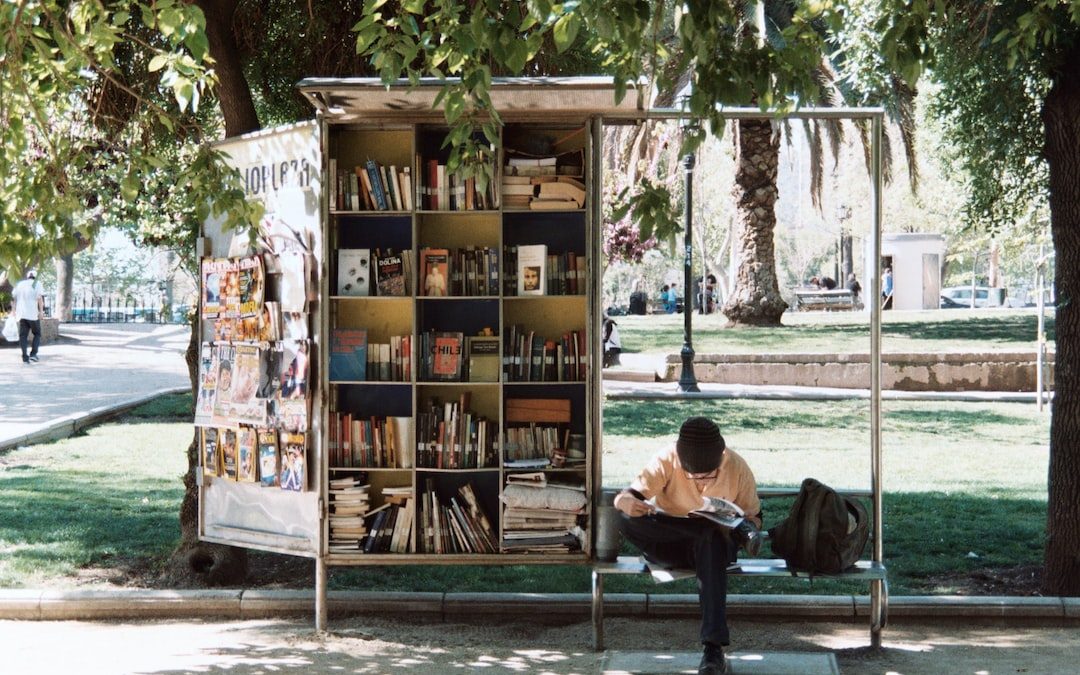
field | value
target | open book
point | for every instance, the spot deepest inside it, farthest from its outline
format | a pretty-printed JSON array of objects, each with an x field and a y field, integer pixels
[{"x": 719, "y": 511}]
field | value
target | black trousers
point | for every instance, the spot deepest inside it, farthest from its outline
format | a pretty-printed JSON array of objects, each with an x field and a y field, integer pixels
[
  {"x": 689, "y": 543},
  {"x": 26, "y": 327}
]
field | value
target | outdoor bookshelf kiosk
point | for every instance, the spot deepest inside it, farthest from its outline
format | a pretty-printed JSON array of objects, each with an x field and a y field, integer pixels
[{"x": 372, "y": 259}]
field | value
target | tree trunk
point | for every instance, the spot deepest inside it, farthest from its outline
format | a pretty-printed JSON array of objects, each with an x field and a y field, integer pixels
[
  {"x": 756, "y": 300},
  {"x": 65, "y": 282},
  {"x": 1061, "y": 119},
  {"x": 215, "y": 564},
  {"x": 233, "y": 92}
]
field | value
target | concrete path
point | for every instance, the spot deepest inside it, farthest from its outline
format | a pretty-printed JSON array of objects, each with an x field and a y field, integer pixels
[{"x": 91, "y": 370}]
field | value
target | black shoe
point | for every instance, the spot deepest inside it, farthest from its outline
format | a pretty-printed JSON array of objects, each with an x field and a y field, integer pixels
[{"x": 713, "y": 661}]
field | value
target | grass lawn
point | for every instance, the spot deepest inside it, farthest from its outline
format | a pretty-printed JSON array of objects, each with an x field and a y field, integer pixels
[
  {"x": 965, "y": 489},
  {"x": 959, "y": 330}
]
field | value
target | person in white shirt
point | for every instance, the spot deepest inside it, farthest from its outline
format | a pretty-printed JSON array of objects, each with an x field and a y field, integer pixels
[{"x": 29, "y": 304}]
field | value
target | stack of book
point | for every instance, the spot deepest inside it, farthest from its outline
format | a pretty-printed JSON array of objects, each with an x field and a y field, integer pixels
[
  {"x": 353, "y": 359},
  {"x": 517, "y": 191},
  {"x": 457, "y": 526},
  {"x": 371, "y": 186},
  {"x": 391, "y": 525},
  {"x": 545, "y": 521},
  {"x": 349, "y": 503}
]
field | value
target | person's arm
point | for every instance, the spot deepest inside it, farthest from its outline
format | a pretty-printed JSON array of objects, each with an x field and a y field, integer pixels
[{"x": 632, "y": 503}]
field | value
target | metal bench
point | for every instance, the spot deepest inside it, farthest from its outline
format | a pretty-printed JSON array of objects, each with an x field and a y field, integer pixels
[
  {"x": 872, "y": 571},
  {"x": 813, "y": 299}
]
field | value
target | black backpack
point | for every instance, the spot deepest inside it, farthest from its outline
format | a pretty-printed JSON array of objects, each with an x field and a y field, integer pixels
[{"x": 815, "y": 537}]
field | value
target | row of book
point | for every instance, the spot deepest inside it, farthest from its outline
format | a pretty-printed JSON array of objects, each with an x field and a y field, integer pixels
[
  {"x": 542, "y": 193},
  {"x": 530, "y": 357},
  {"x": 370, "y": 442},
  {"x": 441, "y": 190},
  {"x": 250, "y": 455},
  {"x": 451, "y": 436},
  {"x": 353, "y": 359},
  {"x": 363, "y": 272},
  {"x": 350, "y": 501},
  {"x": 458, "y": 526},
  {"x": 390, "y": 528},
  {"x": 470, "y": 271},
  {"x": 371, "y": 186},
  {"x": 531, "y": 269}
]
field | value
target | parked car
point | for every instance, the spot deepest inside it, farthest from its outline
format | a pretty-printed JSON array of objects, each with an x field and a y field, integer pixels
[
  {"x": 962, "y": 296},
  {"x": 949, "y": 303}
]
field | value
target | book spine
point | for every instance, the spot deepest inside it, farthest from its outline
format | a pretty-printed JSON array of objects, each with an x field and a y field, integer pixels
[{"x": 377, "y": 192}]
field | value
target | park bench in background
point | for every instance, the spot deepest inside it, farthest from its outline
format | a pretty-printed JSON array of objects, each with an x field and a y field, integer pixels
[{"x": 807, "y": 300}]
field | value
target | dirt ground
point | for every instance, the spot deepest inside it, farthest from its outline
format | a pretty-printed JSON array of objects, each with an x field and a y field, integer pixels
[{"x": 371, "y": 645}]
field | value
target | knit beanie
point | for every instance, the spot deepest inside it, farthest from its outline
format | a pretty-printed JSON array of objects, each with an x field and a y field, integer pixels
[{"x": 700, "y": 445}]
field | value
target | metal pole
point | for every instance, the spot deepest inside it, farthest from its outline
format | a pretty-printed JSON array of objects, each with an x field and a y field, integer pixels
[
  {"x": 1040, "y": 353},
  {"x": 876, "y": 589},
  {"x": 687, "y": 379}
]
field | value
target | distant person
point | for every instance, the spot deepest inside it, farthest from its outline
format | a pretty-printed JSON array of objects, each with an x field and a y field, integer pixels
[
  {"x": 886, "y": 288},
  {"x": 665, "y": 298},
  {"x": 612, "y": 345},
  {"x": 814, "y": 283},
  {"x": 671, "y": 485},
  {"x": 28, "y": 298},
  {"x": 709, "y": 295},
  {"x": 855, "y": 287}
]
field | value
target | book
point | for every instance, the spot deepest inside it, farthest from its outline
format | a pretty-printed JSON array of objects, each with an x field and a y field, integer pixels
[
  {"x": 532, "y": 269},
  {"x": 390, "y": 274},
  {"x": 354, "y": 278},
  {"x": 435, "y": 268},
  {"x": 246, "y": 443},
  {"x": 405, "y": 182},
  {"x": 294, "y": 462},
  {"x": 378, "y": 193},
  {"x": 485, "y": 358},
  {"x": 446, "y": 356},
  {"x": 268, "y": 457},
  {"x": 227, "y": 452},
  {"x": 348, "y": 355},
  {"x": 210, "y": 460}
]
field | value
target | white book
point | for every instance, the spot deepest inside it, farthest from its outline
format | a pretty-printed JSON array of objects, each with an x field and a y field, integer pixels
[
  {"x": 405, "y": 182},
  {"x": 354, "y": 271},
  {"x": 532, "y": 269}
]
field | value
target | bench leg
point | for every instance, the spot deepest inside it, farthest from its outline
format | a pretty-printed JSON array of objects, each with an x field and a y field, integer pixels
[
  {"x": 879, "y": 610},
  {"x": 598, "y": 611}
]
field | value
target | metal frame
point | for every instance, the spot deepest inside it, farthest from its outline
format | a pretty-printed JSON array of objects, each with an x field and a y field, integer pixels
[{"x": 876, "y": 117}]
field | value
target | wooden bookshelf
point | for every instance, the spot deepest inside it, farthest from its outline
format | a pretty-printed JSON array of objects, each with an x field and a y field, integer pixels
[{"x": 468, "y": 311}]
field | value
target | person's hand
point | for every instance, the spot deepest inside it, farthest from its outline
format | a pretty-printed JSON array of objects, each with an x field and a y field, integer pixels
[{"x": 632, "y": 506}]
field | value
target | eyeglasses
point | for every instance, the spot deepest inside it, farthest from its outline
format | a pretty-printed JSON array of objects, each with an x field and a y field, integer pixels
[{"x": 708, "y": 475}]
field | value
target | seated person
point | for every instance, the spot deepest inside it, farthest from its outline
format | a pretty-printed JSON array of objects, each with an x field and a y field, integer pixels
[{"x": 676, "y": 481}]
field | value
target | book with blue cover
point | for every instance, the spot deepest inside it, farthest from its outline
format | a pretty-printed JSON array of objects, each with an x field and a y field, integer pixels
[{"x": 348, "y": 355}]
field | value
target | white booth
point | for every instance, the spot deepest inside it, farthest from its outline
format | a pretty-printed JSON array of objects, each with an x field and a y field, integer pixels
[{"x": 915, "y": 259}]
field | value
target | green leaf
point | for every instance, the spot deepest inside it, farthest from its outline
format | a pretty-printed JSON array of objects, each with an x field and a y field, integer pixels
[
  {"x": 566, "y": 30},
  {"x": 158, "y": 62}
]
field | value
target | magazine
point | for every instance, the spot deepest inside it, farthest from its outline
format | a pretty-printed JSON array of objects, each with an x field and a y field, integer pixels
[
  {"x": 293, "y": 462},
  {"x": 720, "y": 511}
]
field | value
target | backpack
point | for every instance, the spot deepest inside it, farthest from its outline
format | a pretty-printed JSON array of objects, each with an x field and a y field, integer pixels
[{"x": 817, "y": 537}]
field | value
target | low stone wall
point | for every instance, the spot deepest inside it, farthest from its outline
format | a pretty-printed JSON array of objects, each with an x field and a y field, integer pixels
[
  {"x": 50, "y": 332},
  {"x": 989, "y": 371}
]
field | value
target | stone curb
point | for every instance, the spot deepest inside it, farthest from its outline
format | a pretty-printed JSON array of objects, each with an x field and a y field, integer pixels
[
  {"x": 69, "y": 425},
  {"x": 81, "y": 605}
]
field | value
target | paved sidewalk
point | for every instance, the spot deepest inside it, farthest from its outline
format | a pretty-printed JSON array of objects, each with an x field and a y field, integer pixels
[{"x": 91, "y": 371}]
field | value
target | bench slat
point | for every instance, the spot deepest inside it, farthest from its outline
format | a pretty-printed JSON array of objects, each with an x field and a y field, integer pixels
[{"x": 761, "y": 567}]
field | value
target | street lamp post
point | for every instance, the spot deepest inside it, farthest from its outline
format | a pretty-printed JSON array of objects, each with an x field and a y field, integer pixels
[{"x": 687, "y": 379}]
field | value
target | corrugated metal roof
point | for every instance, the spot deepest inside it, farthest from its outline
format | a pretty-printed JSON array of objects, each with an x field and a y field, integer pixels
[{"x": 517, "y": 98}]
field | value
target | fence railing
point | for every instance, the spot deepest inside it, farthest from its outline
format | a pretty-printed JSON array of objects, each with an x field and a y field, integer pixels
[{"x": 150, "y": 308}]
